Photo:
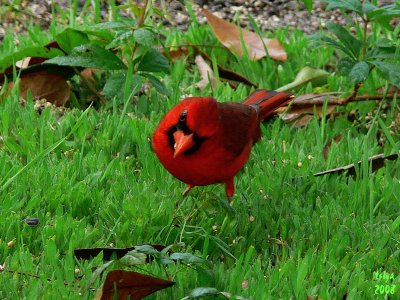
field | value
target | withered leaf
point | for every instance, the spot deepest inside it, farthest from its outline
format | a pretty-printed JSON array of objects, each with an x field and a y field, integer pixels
[
  {"x": 130, "y": 285},
  {"x": 301, "y": 112},
  {"x": 87, "y": 253},
  {"x": 230, "y": 36},
  {"x": 206, "y": 73},
  {"x": 176, "y": 54},
  {"x": 377, "y": 162},
  {"x": 43, "y": 84}
]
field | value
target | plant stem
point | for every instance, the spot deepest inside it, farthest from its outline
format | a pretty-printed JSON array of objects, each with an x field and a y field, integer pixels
[
  {"x": 342, "y": 101},
  {"x": 140, "y": 24}
]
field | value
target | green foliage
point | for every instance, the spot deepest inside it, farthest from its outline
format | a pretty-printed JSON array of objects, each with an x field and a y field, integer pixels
[
  {"x": 92, "y": 180},
  {"x": 105, "y": 46},
  {"x": 89, "y": 56},
  {"x": 363, "y": 51}
]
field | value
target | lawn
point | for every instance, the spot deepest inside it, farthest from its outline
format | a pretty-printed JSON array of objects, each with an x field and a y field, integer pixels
[{"x": 91, "y": 178}]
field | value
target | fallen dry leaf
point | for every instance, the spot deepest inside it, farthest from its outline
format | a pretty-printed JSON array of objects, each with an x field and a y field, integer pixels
[
  {"x": 300, "y": 113},
  {"x": 230, "y": 36},
  {"x": 87, "y": 253},
  {"x": 206, "y": 73},
  {"x": 43, "y": 84},
  {"x": 182, "y": 52},
  {"x": 176, "y": 54},
  {"x": 130, "y": 285},
  {"x": 377, "y": 161},
  {"x": 88, "y": 74}
]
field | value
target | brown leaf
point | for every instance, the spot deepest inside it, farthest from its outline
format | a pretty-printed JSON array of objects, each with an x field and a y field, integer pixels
[
  {"x": 130, "y": 285},
  {"x": 28, "y": 62},
  {"x": 43, "y": 84},
  {"x": 206, "y": 73},
  {"x": 87, "y": 253},
  {"x": 176, "y": 54},
  {"x": 230, "y": 36},
  {"x": 300, "y": 113},
  {"x": 88, "y": 74},
  {"x": 301, "y": 116},
  {"x": 230, "y": 75},
  {"x": 376, "y": 160},
  {"x": 328, "y": 146}
]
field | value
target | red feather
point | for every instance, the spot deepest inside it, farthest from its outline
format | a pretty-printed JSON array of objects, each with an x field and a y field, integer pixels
[{"x": 202, "y": 142}]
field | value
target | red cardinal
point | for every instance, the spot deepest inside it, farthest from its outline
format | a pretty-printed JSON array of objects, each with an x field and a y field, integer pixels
[{"x": 201, "y": 141}]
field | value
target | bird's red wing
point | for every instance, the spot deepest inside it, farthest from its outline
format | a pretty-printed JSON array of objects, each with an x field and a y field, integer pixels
[
  {"x": 239, "y": 126},
  {"x": 266, "y": 101}
]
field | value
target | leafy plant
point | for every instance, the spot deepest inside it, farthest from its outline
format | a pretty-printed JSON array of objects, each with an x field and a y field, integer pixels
[
  {"x": 115, "y": 49},
  {"x": 362, "y": 51}
]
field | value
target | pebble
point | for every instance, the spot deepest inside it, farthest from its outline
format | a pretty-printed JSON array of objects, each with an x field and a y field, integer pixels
[{"x": 270, "y": 14}]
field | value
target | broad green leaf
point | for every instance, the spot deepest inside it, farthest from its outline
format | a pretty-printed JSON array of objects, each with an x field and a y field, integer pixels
[
  {"x": 382, "y": 53},
  {"x": 89, "y": 56},
  {"x": 203, "y": 292},
  {"x": 335, "y": 44},
  {"x": 115, "y": 85},
  {"x": 346, "y": 38},
  {"x": 147, "y": 249},
  {"x": 318, "y": 77},
  {"x": 359, "y": 72},
  {"x": 105, "y": 36},
  {"x": 112, "y": 25},
  {"x": 71, "y": 38},
  {"x": 352, "y": 5},
  {"x": 144, "y": 37},
  {"x": 121, "y": 38},
  {"x": 390, "y": 70},
  {"x": 370, "y": 8},
  {"x": 133, "y": 258},
  {"x": 154, "y": 61},
  {"x": 166, "y": 260},
  {"x": 157, "y": 84},
  {"x": 345, "y": 65},
  {"x": 11, "y": 59},
  {"x": 382, "y": 12},
  {"x": 385, "y": 43},
  {"x": 186, "y": 257}
]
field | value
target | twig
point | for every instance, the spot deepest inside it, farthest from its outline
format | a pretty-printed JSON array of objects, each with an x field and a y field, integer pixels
[
  {"x": 353, "y": 95},
  {"x": 342, "y": 101}
]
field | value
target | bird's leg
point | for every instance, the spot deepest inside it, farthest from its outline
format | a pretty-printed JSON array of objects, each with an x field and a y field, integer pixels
[
  {"x": 229, "y": 189},
  {"x": 184, "y": 194},
  {"x": 187, "y": 190}
]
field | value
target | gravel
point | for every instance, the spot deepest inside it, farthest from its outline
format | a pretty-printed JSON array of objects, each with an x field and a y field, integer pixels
[{"x": 269, "y": 14}]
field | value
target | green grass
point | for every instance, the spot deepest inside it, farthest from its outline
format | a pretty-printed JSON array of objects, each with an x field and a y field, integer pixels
[{"x": 291, "y": 235}]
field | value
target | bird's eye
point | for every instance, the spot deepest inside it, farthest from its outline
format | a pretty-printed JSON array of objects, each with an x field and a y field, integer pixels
[{"x": 182, "y": 118}]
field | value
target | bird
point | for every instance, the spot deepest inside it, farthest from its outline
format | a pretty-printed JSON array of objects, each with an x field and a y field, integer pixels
[{"x": 201, "y": 141}]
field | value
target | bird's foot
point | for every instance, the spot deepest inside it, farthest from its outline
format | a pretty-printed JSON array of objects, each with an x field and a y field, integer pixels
[
  {"x": 187, "y": 190},
  {"x": 184, "y": 194}
]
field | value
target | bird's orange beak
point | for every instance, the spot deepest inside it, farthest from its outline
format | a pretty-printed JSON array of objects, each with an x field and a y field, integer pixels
[{"x": 183, "y": 142}]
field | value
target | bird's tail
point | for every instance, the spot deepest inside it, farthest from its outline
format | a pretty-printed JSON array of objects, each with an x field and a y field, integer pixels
[{"x": 266, "y": 102}]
